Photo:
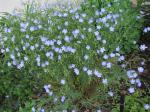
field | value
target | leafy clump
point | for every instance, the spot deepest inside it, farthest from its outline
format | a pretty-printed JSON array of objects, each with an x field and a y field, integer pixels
[{"x": 74, "y": 54}]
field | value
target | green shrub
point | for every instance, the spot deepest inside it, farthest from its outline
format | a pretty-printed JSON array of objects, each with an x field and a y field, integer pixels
[{"x": 75, "y": 53}]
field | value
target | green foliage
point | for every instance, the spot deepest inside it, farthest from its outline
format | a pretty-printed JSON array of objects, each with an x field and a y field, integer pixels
[
  {"x": 31, "y": 44},
  {"x": 134, "y": 103}
]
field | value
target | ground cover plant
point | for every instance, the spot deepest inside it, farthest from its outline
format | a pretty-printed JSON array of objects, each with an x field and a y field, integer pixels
[{"x": 73, "y": 58}]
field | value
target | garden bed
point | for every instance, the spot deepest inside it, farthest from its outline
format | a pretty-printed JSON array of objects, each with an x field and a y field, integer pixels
[{"x": 91, "y": 58}]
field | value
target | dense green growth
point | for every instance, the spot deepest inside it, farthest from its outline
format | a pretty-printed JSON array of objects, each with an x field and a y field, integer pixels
[{"x": 67, "y": 59}]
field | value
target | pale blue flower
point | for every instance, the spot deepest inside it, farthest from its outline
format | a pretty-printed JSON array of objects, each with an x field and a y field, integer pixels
[
  {"x": 140, "y": 69},
  {"x": 110, "y": 93},
  {"x": 89, "y": 72},
  {"x": 85, "y": 69},
  {"x": 146, "y": 106},
  {"x": 64, "y": 31},
  {"x": 76, "y": 71},
  {"x": 62, "y": 81},
  {"x": 112, "y": 29},
  {"x": 131, "y": 90},
  {"x": 143, "y": 47},
  {"x": 105, "y": 81},
  {"x": 98, "y": 74},
  {"x": 63, "y": 99}
]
